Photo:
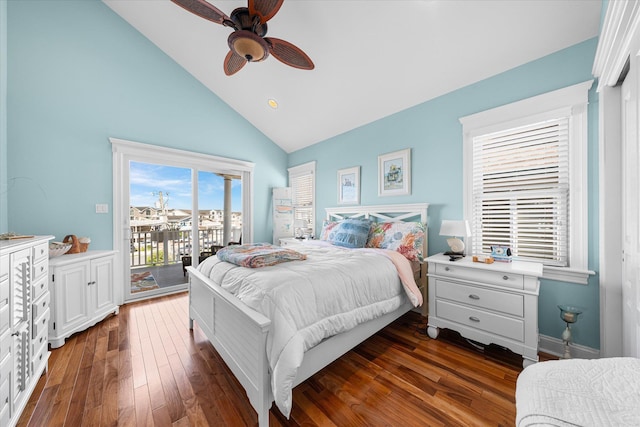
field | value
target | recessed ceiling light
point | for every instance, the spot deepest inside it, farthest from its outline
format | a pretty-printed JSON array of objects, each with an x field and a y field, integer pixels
[{"x": 273, "y": 103}]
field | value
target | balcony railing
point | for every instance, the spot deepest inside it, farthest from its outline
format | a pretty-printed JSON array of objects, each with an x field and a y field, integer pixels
[{"x": 169, "y": 246}]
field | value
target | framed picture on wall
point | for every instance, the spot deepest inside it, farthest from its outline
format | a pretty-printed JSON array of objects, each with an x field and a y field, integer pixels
[
  {"x": 394, "y": 173},
  {"x": 349, "y": 186}
]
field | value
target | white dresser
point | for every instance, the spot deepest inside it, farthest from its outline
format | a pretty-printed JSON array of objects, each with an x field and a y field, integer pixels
[
  {"x": 82, "y": 292},
  {"x": 24, "y": 317},
  {"x": 488, "y": 303}
]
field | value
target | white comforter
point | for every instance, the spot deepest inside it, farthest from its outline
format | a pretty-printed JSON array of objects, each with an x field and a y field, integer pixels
[
  {"x": 330, "y": 292},
  {"x": 598, "y": 393}
]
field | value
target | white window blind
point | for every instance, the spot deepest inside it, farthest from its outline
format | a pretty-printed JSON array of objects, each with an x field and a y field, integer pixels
[
  {"x": 302, "y": 183},
  {"x": 521, "y": 191}
]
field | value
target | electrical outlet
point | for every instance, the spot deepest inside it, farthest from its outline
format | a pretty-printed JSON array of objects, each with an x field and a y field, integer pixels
[{"x": 102, "y": 208}]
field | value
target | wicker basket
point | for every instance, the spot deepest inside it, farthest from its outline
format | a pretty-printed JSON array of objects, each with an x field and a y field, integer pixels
[
  {"x": 75, "y": 245},
  {"x": 58, "y": 248}
]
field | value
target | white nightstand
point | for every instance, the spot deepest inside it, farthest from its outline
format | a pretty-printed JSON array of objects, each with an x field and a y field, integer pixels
[
  {"x": 490, "y": 303},
  {"x": 289, "y": 241}
]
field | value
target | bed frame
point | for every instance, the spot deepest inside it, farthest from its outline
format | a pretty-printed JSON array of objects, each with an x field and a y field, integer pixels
[{"x": 239, "y": 333}]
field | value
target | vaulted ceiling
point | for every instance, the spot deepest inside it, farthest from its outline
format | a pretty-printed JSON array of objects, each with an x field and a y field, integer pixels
[{"x": 372, "y": 58}]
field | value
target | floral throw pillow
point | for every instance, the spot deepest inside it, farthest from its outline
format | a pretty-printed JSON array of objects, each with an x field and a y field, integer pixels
[{"x": 404, "y": 237}]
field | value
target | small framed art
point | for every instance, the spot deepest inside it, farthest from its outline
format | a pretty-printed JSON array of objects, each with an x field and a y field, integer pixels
[
  {"x": 394, "y": 173},
  {"x": 349, "y": 186}
]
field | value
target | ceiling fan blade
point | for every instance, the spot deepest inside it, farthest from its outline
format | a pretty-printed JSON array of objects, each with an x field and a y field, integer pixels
[
  {"x": 289, "y": 54},
  {"x": 233, "y": 63},
  {"x": 204, "y": 9},
  {"x": 265, "y": 9}
]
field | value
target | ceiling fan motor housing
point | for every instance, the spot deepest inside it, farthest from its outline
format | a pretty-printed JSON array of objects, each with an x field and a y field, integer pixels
[{"x": 248, "y": 45}]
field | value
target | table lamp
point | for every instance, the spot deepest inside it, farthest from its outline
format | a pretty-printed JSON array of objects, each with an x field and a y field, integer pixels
[{"x": 455, "y": 229}]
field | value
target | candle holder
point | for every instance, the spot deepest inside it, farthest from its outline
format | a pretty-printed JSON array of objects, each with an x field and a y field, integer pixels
[{"x": 569, "y": 314}]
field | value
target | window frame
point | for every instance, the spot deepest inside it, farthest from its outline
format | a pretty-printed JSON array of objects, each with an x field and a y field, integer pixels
[
  {"x": 308, "y": 168},
  {"x": 571, "y": 101}
]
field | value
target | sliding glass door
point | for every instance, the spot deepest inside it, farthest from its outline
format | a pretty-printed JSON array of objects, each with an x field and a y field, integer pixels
[{"x": 173, "y": 209}]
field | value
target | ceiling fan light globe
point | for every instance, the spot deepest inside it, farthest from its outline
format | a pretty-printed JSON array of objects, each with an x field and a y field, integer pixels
[{"x": 248, "y": 45}]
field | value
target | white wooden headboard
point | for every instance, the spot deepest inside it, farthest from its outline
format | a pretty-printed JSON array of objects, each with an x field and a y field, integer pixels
[
  {"x": 391, "y": 213},
  {"x": 382, "y": 212}
]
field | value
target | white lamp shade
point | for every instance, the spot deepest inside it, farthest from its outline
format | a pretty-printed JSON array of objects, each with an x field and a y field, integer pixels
[{"x": 455, "y": 228}]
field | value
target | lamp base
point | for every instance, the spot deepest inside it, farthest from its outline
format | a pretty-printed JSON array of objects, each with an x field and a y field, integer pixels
[{"x": 449, "y": 253}]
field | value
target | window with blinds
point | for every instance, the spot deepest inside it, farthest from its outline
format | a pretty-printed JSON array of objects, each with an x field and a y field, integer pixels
[
  {"x": 521, "y": 191},
  {"x": 302, "y": 183}
]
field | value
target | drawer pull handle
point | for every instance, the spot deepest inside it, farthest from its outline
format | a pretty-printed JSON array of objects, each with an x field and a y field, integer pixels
[
  {"x": 447, "y": 269},
  {"x": 474, "y": 319},
  {"x": 92, "y": 283},
  {"x": 472, "y": 296},
  {"x": 505, "y": 277}
]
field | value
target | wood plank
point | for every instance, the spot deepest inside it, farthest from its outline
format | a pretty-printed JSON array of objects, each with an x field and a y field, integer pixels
[{"x": 144, "y": 367}]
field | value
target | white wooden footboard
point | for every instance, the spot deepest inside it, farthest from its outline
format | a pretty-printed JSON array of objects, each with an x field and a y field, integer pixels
[{"x": 238, "y": 333}]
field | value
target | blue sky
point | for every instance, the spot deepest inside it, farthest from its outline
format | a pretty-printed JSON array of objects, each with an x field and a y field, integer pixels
[{"x": 147, "y": 180}]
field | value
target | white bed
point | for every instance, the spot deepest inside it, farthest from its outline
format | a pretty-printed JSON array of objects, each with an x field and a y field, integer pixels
[
  {"x": 240, "y": 333},
  {"x": 579, "y": 392}
]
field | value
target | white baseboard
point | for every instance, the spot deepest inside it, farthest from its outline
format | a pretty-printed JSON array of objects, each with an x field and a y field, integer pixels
[{"x": 555, "y": 346}]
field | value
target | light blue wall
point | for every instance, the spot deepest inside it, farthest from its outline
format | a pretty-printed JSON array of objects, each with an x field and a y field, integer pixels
[
  {"x": 434, "y": 134},
  {"x": 4, "y": 225},
  {"x": 79, "y": 74}
]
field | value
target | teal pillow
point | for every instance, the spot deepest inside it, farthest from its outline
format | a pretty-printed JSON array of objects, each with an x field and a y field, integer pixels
[{"x": 350, "y": 233}]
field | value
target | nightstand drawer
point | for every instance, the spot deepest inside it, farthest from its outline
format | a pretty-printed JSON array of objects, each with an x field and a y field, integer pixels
[
  {"x": 480, "y": 297},
  {"x": 489, "y": 322},
  {"x": 509, "y": 280}
]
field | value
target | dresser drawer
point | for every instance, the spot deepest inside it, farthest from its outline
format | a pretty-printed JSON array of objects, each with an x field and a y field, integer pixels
[
  {"x": 489, "y": 322},
  {"x": 4, "y": 269},
  {"x": 510, "y": 280},
  {"x": 4, "y": 293},
  {"x": 5, "y": 353},
  {"x": 482, "y": 298},
  {"x": 40, "y": 269},
  {"x": 40, "y": 306},
  {"x": 41, "y": 252},
  {"x": 39, "y": 361},
  {"x": 40, "y": 324},
  {"x": 39, "y": 287},
  {"x": 4, "y": 402},
  {"x": 39, "y": 343},
  {"x": 5, "y": 318}
]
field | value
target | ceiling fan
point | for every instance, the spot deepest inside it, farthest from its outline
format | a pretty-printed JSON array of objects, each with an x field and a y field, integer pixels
[{"x": 248, "y": 43}]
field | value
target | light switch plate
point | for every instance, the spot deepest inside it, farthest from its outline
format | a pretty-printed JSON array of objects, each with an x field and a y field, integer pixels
[{"x": 102, "y": 208}]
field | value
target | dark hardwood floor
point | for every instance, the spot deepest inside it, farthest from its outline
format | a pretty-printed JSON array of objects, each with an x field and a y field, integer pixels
[{"x": 144, "y": 367}]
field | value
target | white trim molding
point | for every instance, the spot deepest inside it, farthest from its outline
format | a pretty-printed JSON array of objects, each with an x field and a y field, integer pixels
[
  {"x": 621, "y": 22},
  {"x": 620, "y": 31},
  {"x": 125, "y": 151},
  {"x": 571, "y": 101}
]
